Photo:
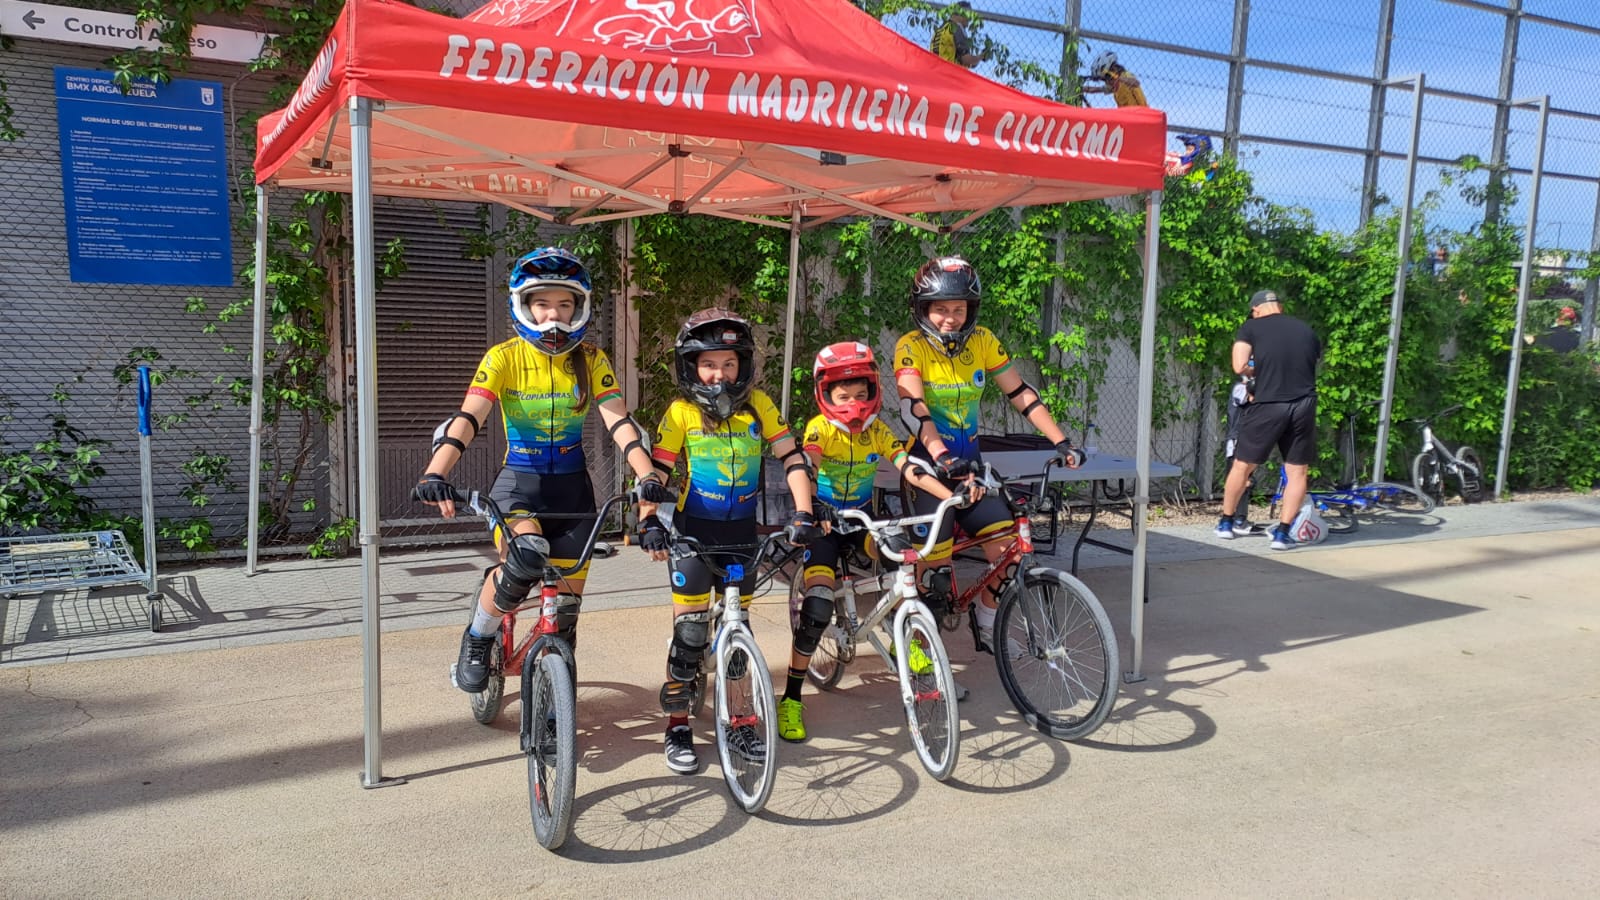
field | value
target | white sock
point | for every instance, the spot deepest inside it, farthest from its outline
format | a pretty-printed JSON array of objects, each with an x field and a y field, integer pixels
[
  {"x": 483, "y": 624},
  {"x": 985, "y": 615}
]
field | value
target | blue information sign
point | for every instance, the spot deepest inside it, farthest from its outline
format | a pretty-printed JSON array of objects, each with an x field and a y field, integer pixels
[{"x": 145, "y": 180}]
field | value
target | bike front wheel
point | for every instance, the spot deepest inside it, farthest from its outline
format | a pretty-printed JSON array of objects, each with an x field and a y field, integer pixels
[
  {"x": 1056, "y": 653},
  {"x": 747, "y": 720},
  {"x": 929, "y": 693},
  {"x": 1427, "y": 476},
  {"x": 1393, "y": 496},
  {"x": 550, "y": 740}
]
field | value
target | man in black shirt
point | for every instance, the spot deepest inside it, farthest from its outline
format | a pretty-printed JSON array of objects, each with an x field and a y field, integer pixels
[{"x": 1282, "y": 353}]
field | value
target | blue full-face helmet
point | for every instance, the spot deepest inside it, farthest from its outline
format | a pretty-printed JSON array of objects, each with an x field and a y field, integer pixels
[{"x": 546, "y": 269}]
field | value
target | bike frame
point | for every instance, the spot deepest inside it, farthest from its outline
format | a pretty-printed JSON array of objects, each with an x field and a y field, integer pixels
[
  {"x": 1359, "y": 497},
  {"x": 727, "y": 611}
]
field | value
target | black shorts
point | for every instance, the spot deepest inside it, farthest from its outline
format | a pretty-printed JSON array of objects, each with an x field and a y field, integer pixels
[
  {"x": 973, "y": 519},
  {"x": 526, "y": 495},
  {"x": 1290, "y": 425},
  {"x": 827, "y": 550},
  {"x": 691, "y": 579}
]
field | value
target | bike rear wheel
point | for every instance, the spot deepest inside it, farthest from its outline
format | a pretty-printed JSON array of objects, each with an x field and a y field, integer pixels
[
  {"x": 486, "y": 703},
  {"x": 931, "y": 714},
  {"x": 1057, "y": 654},
  {"x": 1340, "y": 518},
  {"x": 1469, "y": 475},
  {"x": 1427, "y": 476},
  {"x": 1392, "y": 496},
  {"x": 745, "y": 702},
  {"x": 830, "y": 657},
  {"x": 550, "y": 740}
]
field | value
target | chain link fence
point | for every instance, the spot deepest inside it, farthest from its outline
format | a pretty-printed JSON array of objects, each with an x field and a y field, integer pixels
[{"x": 1321, "y": 133}]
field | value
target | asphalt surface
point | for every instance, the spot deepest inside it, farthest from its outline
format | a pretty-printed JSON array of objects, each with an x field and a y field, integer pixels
[{"x": 1398, "y": 714}]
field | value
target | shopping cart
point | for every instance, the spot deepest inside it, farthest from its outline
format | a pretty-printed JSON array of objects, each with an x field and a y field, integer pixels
[{"x": 87, "y": 559}]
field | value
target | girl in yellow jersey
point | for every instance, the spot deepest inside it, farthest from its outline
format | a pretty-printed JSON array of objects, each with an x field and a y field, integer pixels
[
  {"x": 545, "y": 379},
  {"x": 942, "y": 369},
  {"x": 717, "y": 428}
]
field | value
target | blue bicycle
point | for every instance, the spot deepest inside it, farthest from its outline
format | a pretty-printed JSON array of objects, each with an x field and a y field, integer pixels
[{"x": 1340, "y": 504}]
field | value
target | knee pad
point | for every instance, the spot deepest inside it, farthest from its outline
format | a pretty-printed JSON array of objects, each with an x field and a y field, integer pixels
[
  {"x": 816, "y": 609},
  {"x": 689, "y": 638},
  {"x": 938, "y": 584},
  {"x": 523, "y": 568},
  {"x": 567, "y": 618}
]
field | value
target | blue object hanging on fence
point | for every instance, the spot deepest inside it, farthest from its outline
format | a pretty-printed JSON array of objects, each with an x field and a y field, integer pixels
[{"x": 144, "y": 401}]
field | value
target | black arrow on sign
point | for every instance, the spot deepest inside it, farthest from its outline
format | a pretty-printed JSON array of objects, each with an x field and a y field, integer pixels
[{"x": 32, "y": 21}]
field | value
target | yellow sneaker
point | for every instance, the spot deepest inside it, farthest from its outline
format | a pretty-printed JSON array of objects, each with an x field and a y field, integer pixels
[
  {"x": 791, "y": 720},
  {"x": 917, "y": 660}
]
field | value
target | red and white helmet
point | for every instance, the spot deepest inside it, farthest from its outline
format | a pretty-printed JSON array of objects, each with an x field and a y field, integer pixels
[{"x": 847, "y": 361}]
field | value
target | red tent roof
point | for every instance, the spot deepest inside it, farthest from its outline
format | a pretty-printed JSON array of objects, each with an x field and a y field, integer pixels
[{"x": 732, "y": 107}]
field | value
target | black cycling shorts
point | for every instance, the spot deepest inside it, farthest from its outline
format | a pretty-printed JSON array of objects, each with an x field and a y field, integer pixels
[
  {"x": 527, "y": 495},
  {"x": 825, "y": 552},
  {"x": 1289, "y": 425},
  {"x": 691, "y": 580},
  {"x": 973, "y": 520}
]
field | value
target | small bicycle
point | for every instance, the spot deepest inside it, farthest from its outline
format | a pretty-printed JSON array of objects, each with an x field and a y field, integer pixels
[
  {"x": 548, "y": 690},
  {"x": 1059, "y": 658},
  {"x": 746, "y": 713},
  {"x": 929, "y": 695},
  {"x": 1436, "y": 462},
  {"x": 1340, "y": 505}
]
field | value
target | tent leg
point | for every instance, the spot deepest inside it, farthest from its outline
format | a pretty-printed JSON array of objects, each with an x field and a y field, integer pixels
[
  {"x": 366, "y": 326},
  {"x": 794, "y": 292},
  {"x": 258, "y": 341},
  {"x": 1147, "y": 382}
]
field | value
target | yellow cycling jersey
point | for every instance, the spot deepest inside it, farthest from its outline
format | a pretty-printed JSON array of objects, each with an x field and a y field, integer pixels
[
  {"x": 1127, "y": 93},
  {"x": 723, "y": 462},
  {"x": 543, "y": 401},
  {"x": 953, "y": 385},
  {"x": 847, "y": 463}
]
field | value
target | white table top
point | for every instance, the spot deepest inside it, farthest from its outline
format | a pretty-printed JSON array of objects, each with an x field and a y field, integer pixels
[{"x": 1022, "y": 463}]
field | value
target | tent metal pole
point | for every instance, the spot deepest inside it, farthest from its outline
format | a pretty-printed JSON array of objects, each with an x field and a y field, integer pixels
[
  {"x": 366, "y": 327},
  {"x": 1525, "y": 284},
  {"x": 1398, "y": 303},
  {"x": 794, "y": 292},
  {"x": 258, "y": 347},
  {"x": 1147, "y": 385}
]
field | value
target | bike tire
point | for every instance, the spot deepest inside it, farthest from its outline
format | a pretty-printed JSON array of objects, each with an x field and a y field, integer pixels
[
  {"x": 486, "y": 703},
  {"x": 553, "y": 752},
  {"x": 1469, "y": 485},
  {"x": 931, "y": 714},
  {"x": 1057, "y": 654},
  {"x": 750, "y": 780},
  {"x": 1340, "y": 518},
  {"x": 1385, "y": 496},
  {"x": 1427, "y": 475},
  {"x": 828, "y": 662}
]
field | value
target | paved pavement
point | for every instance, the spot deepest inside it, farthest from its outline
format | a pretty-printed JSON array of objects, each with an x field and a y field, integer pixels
[{"x": 1396, "y": 714}]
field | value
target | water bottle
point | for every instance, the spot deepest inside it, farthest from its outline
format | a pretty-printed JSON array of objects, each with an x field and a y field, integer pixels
[{"x": 1091, "y": 440}]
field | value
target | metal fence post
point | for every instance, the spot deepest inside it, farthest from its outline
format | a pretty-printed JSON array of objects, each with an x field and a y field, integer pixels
[
  {"x": 1524, "y": 285},
  {"x": 1398, "y": 302},
  {"x": 1380, "y": 95}
]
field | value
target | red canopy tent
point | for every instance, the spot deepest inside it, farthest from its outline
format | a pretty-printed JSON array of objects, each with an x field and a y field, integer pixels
[{"x": 804, "y": 110}]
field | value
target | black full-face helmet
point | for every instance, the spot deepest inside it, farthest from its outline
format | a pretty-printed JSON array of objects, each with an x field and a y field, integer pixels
[
  {"x": 715, "y": 329},
  {"x": 946, "y": 278}
]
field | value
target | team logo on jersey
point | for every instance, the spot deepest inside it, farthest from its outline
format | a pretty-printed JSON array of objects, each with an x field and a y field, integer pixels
[
  {"x": 873, "y": 457},
  {"x": 569, "y": 365},
  {"x": 966, "y": 357},
  {"x": 977, "y": 377},
  {"x": 607, "y": 381},
  {"x": 755, "y": 429},
  {"x": 481, "y": 377},
  {"x": 679, "y": 579},
  {"x": 907, "y": 362},
  {"x": 863, "y": 439}
]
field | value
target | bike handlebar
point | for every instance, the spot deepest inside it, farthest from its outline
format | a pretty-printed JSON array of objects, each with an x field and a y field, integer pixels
[
  {"x": 685, "y": 546},
  {"x": 485, "y": 506}
]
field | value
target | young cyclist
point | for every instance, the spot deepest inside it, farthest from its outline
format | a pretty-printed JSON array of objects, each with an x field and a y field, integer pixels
[
  {"x": 1115, "y": 80},
  {"x": 545, "y": 379},
  {"x": 844, "y": 444},
  {"x": 717, "y": 428},
  {"x": 942, "y": 370}
]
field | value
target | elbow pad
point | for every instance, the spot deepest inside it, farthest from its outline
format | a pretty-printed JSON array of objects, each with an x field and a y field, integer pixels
[{"x": 908, "y": 415}]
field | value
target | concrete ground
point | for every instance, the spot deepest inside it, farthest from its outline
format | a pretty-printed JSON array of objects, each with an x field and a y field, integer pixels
[{"x": 1414, "y": 710}]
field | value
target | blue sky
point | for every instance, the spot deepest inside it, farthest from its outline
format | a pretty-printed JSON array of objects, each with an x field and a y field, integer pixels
[{"x": 1456, "y": 48}]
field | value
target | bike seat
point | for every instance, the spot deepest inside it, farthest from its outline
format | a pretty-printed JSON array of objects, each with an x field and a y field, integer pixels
[{"x": 603, "y": 550}]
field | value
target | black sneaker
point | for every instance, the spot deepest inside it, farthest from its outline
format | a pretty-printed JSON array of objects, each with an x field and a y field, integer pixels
[
  {"x": 471, "y": 673},
  {"x": 681, "y": 757},
  {"x": 746, "y": 741}
]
